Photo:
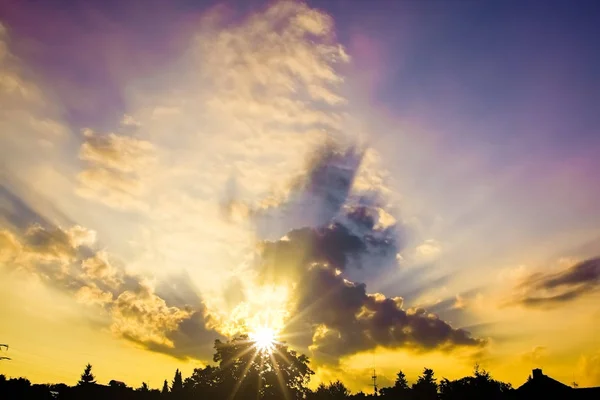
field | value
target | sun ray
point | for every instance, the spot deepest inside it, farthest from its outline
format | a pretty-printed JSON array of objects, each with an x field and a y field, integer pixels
[
  {"x": 301, "y": 313},
  {"x": 238, "y": 355},
  {"x": 283, "y": 356},
  {"x": 246, "y": 368},
  {"x": 280, "y": 379}
]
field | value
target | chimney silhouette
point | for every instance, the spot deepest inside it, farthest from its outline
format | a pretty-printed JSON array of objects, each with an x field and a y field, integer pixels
[{"x": 537, "y": 373}]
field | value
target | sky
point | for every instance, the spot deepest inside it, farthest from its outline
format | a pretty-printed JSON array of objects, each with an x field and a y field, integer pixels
[{"x": 388, "y": 185}]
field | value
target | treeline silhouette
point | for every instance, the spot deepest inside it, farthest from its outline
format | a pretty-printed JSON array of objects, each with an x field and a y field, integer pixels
[{"x": 243, "y": 372}]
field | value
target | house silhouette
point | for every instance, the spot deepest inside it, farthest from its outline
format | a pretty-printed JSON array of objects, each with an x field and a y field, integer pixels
[{"x": 542, "y": 386}]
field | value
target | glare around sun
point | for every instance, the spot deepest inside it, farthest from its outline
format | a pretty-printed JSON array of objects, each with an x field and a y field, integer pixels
[{"x": 264, "y": 339}]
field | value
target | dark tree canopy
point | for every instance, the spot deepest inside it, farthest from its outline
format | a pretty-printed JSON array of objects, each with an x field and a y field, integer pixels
[
  {"x": 400, "y": 388},
  {"x": 249, "y": 372},
  {"x": 479, "y": 386},
  {"x": 425, "y": 388},
  {"x": 334, "y": 391},
  {"x": 244, "y": 372}
]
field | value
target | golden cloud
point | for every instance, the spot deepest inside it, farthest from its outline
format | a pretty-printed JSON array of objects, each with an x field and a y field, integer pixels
[
  {"x": 57, "y": 256},
  {"x": 145, "y": 317}
]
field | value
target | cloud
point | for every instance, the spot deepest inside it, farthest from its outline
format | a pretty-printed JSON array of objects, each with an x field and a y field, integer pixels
[
  {"x": 145, "y": 317},
  {"x": 352, "y": 320},
  {"x": 268, "y": 68},
  {"x": 99, "y": 268},
  {"x": 66, "y": 260},
  {"x": 118, "y": 152},
  {"x": 112, "y": 188},
  {"x": 547, "y": 290},
  {"x": 255, "y": 96},
  {"x": 536, "y": 355},
  {"x": 340, "y": 228},
  {"x": 128, "y": 120},
  {"x": 330, "y": 223},
  {"x": 117, "y": 166},
  {"x": 316, "y": 195},
  {"x": 429, "y": 248}
]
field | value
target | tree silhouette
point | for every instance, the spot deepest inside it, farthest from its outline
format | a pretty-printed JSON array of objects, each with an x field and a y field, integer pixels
[
  {"x": 87, "y": 378},
  {"x": 334, "y": 391},
  {"x": 143, "y": 388},
  {"x": 204, "y": 382},
  {"x": 400, "y": 388},
  {"x": 116, "y": 384},
  {"x": 177, "y": 385},
  {"x": 248, "y": 372},
  {"x": 479, "y": 386},
  {"x": 425, "y": 388},
  {"x": 165, "y": 388},
  {"x": 401, "y": 382}
]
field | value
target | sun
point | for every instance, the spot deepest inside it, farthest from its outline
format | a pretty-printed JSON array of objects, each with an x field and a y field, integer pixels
[{"x": 264, "y": 339}]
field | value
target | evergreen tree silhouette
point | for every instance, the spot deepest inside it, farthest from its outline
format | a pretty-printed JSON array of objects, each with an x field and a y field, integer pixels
[
  {"x": 401, "y": 382},
  {"x": 177, "y": 385},
  {"x": 87, "y": 378},
  {"x": 165, "y": 388},
  {"x": 426, "y": 387},
  {"x": 399, "y": 390}
]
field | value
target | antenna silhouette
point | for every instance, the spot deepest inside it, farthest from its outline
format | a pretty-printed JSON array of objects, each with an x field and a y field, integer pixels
[{"x": 374, "y": 378}]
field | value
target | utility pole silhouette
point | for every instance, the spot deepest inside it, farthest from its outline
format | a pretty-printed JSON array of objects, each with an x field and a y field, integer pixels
[{"x": 374, "y": 378}]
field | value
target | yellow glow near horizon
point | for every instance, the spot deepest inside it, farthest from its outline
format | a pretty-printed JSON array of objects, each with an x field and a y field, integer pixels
[
  {"x": 264, "y": 339},
  {"x": 266, "y": 307}
]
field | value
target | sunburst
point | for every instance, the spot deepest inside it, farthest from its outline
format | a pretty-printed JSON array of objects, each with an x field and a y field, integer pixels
[{"x": 264, "y": 339}]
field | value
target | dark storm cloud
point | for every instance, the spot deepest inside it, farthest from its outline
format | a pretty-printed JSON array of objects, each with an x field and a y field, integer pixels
[
  {"x": 316, "y": 196},
  {"x": 330, "y": 225},
  {"x": 335, "y": 244},
  {"x": 556, "y": 289},
  {"x": 345, "y": 230},
  {"x": 356, "y": 321}
]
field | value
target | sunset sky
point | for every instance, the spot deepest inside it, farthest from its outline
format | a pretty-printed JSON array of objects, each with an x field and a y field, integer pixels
[{"x": 384, "y": 184}]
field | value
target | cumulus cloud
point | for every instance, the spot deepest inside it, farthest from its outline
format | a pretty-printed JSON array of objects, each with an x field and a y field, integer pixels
[
  {"x": 117, "y": 166},
  {"x": 346, "y": 228},
  {"x": 352, "y": 320},
  {"x": 66, "y": 259},
  {"x": 429, "y": 248},
  {"x": 556, "y": 289},
  {"x": 145, "y": 317},
  {"x": 316, "y": 195},
  {"x": 268, "y": 69},
  {"x": 118, "y": 152}
]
